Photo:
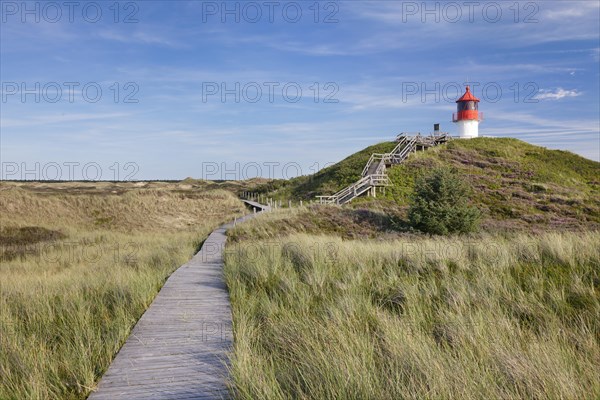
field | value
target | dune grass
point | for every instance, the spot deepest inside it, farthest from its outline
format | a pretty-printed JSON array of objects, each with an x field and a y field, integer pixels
[
  {"x": 78, "y": 270},
  {"x": 380, "y": 221},
  {"x": 318, "y": 317}
]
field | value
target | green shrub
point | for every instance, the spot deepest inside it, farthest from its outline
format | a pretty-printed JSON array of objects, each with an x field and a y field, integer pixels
[{"x": 439, "y": 204}]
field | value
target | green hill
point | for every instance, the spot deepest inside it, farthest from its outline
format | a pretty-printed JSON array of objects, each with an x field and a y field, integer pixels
[{"x": 515, "y": 184}]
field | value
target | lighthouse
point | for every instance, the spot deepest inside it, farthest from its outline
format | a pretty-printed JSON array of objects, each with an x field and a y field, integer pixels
[{"x": 467, "y": 115}]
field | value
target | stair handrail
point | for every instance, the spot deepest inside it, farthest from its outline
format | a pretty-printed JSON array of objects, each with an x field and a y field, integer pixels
[
  {"x": 401, "y": 142},
  {"x": 366, "y": 168},
  {"x": 359, "y": 187},
  {"x": 409, "y": 147},
  {"x": 401, "y": 139},
  {"x": 373, "y": 157},
  {"x": 406, "y": 145},
  {"x": 361, "y": 180}
]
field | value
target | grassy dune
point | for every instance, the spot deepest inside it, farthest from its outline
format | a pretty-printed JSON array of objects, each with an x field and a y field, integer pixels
[
  {"x": 482, "y": 317},
  {"x": 79, "y": 268},
  {"x": 517, "y": 185}
]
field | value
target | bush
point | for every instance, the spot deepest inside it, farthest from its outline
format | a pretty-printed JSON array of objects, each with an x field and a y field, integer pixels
[{"x": 440, "y": 204}]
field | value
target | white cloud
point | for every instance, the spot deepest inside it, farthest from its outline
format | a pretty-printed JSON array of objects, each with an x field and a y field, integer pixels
[
  {"x": 536, "y": 23},
  {"x": 140, "y": 37},
  {"x": 556, "y": 94},
  {"x": 58, "y": 118},
  {"x": 562, "y": 11}
]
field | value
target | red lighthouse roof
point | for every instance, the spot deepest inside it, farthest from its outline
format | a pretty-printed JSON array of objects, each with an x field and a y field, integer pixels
[{"x": 468, "y": 96}]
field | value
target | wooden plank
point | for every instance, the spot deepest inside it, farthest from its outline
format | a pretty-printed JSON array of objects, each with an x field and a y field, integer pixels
[{"x": 178, "y": 349}]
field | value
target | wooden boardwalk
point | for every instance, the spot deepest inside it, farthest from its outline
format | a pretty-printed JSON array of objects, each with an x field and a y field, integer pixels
[
  {"x": 178, "y": 349},
  {"x": 257, "y": 206}
]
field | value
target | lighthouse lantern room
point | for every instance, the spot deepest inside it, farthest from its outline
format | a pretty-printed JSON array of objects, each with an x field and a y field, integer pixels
[{"x": 467, "y": 115}]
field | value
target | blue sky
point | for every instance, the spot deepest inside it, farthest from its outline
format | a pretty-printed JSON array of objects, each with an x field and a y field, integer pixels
[{"x": 381, "y": 68}]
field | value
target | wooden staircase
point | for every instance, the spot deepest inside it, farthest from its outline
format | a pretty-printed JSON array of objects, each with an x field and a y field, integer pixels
[{"x": 374, "y": 173}]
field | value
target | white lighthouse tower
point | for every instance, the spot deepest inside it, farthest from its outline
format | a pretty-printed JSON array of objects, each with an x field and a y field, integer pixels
[{"x": 467, "y": 115}]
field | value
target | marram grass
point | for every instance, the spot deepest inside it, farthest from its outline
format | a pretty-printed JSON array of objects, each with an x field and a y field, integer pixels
[{"x": 316, "y": 317}]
